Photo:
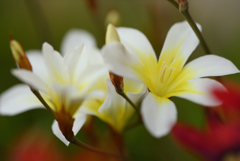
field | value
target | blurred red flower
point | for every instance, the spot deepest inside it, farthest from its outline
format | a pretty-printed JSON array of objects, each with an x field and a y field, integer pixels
[
  {"x": 220, "y": 140},
  {"x": 35, "y": 145}
]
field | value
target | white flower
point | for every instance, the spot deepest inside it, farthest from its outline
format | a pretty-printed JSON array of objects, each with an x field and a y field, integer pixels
[
  {"x": 133, "y": 57},
  {"x": 63, "y": 81}
]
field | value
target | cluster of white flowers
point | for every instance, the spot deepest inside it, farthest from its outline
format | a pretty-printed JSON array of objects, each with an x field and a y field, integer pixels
[{"x": 77, "y": 83}]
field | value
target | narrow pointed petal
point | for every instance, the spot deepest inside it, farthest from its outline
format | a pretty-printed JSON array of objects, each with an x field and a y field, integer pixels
[
  {"x": 209, "y": 65},
  {"x": 200, "y": 91},
  {"x": 30, "y": 79},
  {"x": 55, "y": 64},
  {"x": 181, "y": 41},
  {"x": 18, "y": 99},
  {"x": 80, "y": 119},
  {"x": 75, "y": 38},
  {"x": 71, "y": 59},
  {"x": 56, "y": 130},
  {"x": 135, "y": 41},
  {"x": 159, "y": 114},
  {"x": 89, "y": 57},
  {"x": 37, "y": 62},
  {"x": 121, "y": 62}
]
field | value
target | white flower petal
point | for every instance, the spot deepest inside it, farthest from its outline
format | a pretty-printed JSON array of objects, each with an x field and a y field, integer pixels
[
  {"x": 201, "y": 91},
  {"x": 134, "y": 39},
  {"x": 55, "y": 64},
  {"x": 182, "y": 39},
  {"x": 135, "y": 98},
  {"x": 114, "y": 105},
  {"x": 71, "y": 59},
  {"x": 75, "y": 38},
  {"x": 80, "y": 119},
  {"x": 91, "y": 75},
  {"x": 94, "y": 56},
  {"x": 121, "y": 62},
  {"x": 31, "y": 79},
  {"x": 58, "y": 133},
  {"x": 159, "y": 114},
  {"x": 209, "y": 65},
  {"x": 38, "y": 64},
  {"x": 18, "y": 99},
  {"x": 90, "y": 107},
  {"x": 89, "y": 57}
]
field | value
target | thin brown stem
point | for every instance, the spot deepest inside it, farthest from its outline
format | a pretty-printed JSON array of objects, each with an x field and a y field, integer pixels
[
  {"x": 193, "y": 25},
  {"x": 77, "y": 142},
  {"x": 40, "y": 98}
]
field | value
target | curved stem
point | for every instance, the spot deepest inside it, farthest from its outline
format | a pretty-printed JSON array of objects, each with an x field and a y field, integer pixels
[
  {"x": 38, "y": 95},
  {"x": 77, "y": 142},
  {"x": 175, "y": 4},
  {"x": 193, "y": 25}
]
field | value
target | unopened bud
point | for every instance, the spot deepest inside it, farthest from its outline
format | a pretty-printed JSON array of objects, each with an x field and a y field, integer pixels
[
  {"x": 113, "y": 17},
  {"x": 183, "y": 5},
  {"x": 19, "y": 55},
  {"x": 65, "y": 123},
  {"x": 117, "y": 81},
  {"x": 112, "y": 34}
]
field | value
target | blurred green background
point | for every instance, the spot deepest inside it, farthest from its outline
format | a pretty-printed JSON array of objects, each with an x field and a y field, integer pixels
[{"x": 33, "y": 22}]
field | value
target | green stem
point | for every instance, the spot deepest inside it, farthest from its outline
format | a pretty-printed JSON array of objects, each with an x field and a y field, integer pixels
[
  {"x": 131, "y": 103},
  {"x": 193, "y": 25},
  {"x": 77, "y": 142},
  {"x": 175, "y": 4},
  {"x": 38, "y": 95}
]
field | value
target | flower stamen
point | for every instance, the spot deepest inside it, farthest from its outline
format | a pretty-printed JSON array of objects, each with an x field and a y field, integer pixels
[{"x": 165, "y": 68}]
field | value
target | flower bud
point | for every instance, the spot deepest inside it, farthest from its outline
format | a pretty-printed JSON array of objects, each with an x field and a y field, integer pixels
[
  {"x": 112, "y": 36},
  {"x": 183, "y": 5},
  {"x": 117, "y": 81},
  {"x": 113, "y": 17},
  {"x": 19, "y": 55}
]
